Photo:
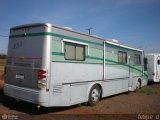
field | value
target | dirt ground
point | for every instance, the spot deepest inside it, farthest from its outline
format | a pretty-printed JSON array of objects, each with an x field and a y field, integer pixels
[{"x": 132, "y": 104}]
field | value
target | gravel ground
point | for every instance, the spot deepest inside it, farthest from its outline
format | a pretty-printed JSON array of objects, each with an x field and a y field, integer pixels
[{"x": 128, "y": 105}]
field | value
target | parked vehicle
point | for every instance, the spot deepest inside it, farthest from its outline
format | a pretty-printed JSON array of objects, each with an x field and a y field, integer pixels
[
  {"x": 50, "y": 65},
  {"x": 153, "y": 67}
]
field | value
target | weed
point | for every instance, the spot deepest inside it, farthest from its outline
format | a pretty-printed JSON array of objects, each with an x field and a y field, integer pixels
[{"x": 148, "y": 91}]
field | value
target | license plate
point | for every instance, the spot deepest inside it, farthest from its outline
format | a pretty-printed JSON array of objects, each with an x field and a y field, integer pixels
[{"x": 19, "y": 76}]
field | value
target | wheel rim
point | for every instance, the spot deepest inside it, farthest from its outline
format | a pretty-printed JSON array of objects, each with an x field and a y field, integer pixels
[{"x": 95, "y": 95}]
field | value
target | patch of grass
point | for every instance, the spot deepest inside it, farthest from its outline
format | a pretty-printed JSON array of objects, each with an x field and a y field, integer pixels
[{"x": 149, "y": 91}]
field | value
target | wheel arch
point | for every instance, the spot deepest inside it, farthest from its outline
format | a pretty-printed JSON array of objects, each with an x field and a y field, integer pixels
[
  {"x": 91, "y": 85},
  {"x": 140, "y": 80}
]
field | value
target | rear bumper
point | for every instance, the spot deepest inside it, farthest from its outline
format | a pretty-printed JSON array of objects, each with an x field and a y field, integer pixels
[{"x": 26, "y": 94}]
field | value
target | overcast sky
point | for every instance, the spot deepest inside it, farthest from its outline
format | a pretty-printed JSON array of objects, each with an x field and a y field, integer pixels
[{"x": 132, "y": 22}]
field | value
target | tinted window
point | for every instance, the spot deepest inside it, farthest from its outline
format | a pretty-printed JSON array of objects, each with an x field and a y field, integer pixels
[
  {"x": 145, "y": 64},
  {"x": 122, "y": 57},
  {"x": 137, "y": 59},
  {"x": 74, "y": 51}
]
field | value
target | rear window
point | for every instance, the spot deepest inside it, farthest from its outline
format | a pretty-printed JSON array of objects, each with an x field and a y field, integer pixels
[{"x": 24, "y": 44}]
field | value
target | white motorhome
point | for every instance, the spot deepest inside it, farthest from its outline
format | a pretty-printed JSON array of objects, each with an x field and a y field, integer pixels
[
  {"x": 153, "y": 67},
  {"x": 50, "y": 65}
]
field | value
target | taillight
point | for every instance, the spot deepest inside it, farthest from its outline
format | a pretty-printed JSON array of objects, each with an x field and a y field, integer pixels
[
  {"x": 40, "y": 72},
  {"x": 41, "y": 75},
  {"x": 153, "y": 73}
]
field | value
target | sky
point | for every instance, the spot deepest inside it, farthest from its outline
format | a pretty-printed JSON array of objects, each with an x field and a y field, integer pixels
[{"x": 132, "y": 22}]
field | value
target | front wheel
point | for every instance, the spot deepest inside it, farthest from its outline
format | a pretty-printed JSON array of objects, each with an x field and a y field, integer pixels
[{"x": 94, "y": 95}]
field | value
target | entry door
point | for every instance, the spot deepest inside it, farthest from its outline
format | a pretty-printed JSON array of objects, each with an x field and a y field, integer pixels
[
  {"x": 130, "y": 84},
  {"x": 158, "y": 69}
]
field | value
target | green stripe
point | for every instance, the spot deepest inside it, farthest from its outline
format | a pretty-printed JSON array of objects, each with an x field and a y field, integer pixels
[
  {"x": 28, "y": 35},
  {"x": 71, "y": 38},
  {"x": 75, "y": 39},
  {"x": 56, "y": 35},
  {"x": 122, "y": 49},
  {"x": 145, "y": 75},
  {"x": 57, "y": 53},
  {"x": 96, "y": 58},
  {"x": 77, "y": 62}
]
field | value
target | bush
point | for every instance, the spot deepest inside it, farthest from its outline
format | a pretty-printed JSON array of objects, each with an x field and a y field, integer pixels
[
  {"x": 3, "y": 56},
  {"x": 148, "y": 91}
]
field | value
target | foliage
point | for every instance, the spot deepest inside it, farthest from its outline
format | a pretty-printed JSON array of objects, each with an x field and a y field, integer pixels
[{"x": 149, "y": 91}]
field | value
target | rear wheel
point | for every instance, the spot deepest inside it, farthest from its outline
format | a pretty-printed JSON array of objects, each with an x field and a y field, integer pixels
[
  {"x": 138, "y": 84},
  {"x": 94, "y": 95}
]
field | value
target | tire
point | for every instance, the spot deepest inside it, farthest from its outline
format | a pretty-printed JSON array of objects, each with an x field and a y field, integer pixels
[
  {"x": 138, "y": 84},
  {"x": 94, "y": 95}
]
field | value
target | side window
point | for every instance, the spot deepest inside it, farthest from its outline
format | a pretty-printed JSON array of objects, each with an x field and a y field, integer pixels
[
  {"x": 158, "y": 62},
  {"x": 74, "y": 51},
  {"x": 80, "y": 52},
  {"x": 137, "y": 59},
  {"x": 122, "y": 57},
  {"x": 70, "y": 51},
  {"x": 145, "y": 64}
]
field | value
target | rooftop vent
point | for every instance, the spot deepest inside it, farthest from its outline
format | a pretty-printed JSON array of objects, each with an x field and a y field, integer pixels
[
  {"x": 114, "y": 40},
  {"x": 95, "y": 35},
  {"x": 68, "y": 28}
]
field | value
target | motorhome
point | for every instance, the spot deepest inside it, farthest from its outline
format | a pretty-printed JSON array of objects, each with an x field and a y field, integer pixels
[
  {"x": 49, "y": 65},
  {"x": 153, "y": 67}
]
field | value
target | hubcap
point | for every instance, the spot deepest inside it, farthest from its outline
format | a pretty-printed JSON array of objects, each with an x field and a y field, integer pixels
[{"x": 95, "y": 95}]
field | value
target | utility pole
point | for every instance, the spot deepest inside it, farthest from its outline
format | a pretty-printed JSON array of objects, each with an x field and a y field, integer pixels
[{"x": 89, "y": 30}]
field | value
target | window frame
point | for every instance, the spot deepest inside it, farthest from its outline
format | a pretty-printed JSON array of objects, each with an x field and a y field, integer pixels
[
  {"x": 75, "y": 52},
  {"x": 85, "y": 49}
]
